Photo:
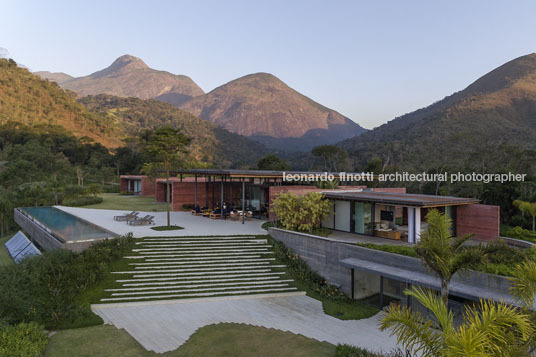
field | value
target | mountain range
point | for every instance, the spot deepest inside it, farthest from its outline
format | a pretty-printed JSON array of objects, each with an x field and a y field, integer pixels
[
  {"x": 498, "y": 109},
  {"x": 258, "y": 105},
  {"x": 129, "y": 76},
  {"x": 26, "y": 98}
]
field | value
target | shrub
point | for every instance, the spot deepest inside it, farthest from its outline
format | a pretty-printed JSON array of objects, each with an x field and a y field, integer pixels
[
  {"x": 353, "y": 351},
  {"x": 520, "y": 233},
  {"x": 82, "y": 201},
  {"x": 47, "y": 288},
  {"x": 24, "y": 339},
  {"x": 396, "y": 249},
  {"x": 304, "y": 213}
]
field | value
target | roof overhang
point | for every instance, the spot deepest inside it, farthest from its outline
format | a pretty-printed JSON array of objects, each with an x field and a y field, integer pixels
[
  {"x": 401, "y": 199},
  {"x": 462, "y": 290}
]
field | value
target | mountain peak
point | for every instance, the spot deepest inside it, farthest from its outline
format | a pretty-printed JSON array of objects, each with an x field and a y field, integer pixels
[{"x": 125, "y": 62}]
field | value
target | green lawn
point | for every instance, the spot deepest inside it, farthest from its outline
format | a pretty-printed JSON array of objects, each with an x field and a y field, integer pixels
[
  {"x": 214, "y": 340},
  {"x": 5, "y": 259},
  {"x": 128, "y": 203}
]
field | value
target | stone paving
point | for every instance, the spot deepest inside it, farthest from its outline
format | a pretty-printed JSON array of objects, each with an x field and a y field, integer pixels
[
  {"x": 193, "y": 225},
  {"x": 164, "y": 326}
]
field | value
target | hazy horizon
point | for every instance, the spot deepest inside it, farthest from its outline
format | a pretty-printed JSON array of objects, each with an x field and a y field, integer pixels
[{"x": 370, "y": 62}]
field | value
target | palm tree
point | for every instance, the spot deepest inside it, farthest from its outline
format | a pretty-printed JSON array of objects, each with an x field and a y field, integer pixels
[
  {"x": 527, "y": 207},
  {"x": 524, "y": 289},
  {"x": 489, "y": 329},
  {"x": 444, "y": 254}
]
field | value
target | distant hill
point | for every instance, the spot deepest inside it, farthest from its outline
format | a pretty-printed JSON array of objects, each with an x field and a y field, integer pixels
[
  {"x": 28, "y": 99},
  {"x": 210, "y": 142},
  {"x": 264, "y": 108},
  {"x": 129, "y": 76},
  {"x": 497, "y": 109},
  {"x": 58, "y": 77}
]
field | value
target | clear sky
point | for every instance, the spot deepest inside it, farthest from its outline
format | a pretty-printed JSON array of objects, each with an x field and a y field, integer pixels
[{"x": 369, "y": 60}]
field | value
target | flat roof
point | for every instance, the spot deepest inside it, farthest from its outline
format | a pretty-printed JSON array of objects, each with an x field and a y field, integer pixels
[
  {"x": 466, "y": 291},
  {"x": 402, "y": 199},
  {"x": 254, "y": 173}
]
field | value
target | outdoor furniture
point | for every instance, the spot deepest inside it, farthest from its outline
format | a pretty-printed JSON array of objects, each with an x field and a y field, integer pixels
[
  {"x": 126, "y": 217},
  {"x": 142, "y": 221},
  {"x": 215, "y": 214},
  {"x": 196, "y": 211},
  {"x": 234, "y": 215},
  {"x": 248, "y": 216}
]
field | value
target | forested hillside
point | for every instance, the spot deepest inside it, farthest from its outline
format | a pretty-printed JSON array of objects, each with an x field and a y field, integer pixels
[
  {"x": 210, "y": 143},
  {"x": 497, "y": 110},
  {"x": 26, "y": 98}
]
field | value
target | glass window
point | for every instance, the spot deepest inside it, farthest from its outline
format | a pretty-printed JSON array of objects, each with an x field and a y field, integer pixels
[{"x": 363, "y": 218}]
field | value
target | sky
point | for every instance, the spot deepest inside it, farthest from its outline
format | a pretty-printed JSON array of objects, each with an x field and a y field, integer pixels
[{"x": 370, "y": 60}]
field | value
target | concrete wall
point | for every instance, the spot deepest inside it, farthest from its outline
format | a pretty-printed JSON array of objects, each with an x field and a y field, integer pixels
[
  {"x": 46, "y": 239},
  {"x": 38, "y": 234},
  {"x": 482, "y": 220},
  {"x": 324, "y": 255}
]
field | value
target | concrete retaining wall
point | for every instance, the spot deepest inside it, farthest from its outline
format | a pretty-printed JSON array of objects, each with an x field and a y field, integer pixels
[
  {"x": 38, "y": 234},
  {"x": 45, "y": 238},
  {"x": 324, "y": 255}
]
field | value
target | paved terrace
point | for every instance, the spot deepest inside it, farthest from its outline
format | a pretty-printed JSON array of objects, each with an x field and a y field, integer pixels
[
  {"x": 193, "y": 225},
  {"x": 165, "y": 326}
]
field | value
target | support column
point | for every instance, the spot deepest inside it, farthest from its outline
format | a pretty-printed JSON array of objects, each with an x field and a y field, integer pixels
[
  {"x": 243, "y": 201},
  {"x": 195, "y": 192},
  {"x": 381, "y": 292},
  {"x": 207, "y": 180},
  {"x": 417, "y": 224},
  {"x": 221, "y": 199},
  {"x": 411, "y": 225}
]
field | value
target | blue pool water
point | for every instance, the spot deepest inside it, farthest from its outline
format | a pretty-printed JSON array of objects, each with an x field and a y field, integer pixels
[{"x": 65, "y": 225}]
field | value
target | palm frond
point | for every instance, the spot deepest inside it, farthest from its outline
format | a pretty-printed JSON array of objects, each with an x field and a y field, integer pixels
[
  {"x": 412, "y": 331},
  {"x": 436, "y": 305},
  {"x": 524, "y": 283}
]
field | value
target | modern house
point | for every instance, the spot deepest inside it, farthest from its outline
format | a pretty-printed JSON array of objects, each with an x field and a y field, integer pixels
[
  {"x": 378, "y": 212},
  {"x": 401, "y": 216},
  {"x": 137, "y": 184}
]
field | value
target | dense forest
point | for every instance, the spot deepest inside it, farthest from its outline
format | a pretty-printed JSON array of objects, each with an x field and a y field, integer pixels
[{"x": 210, "y": 143}]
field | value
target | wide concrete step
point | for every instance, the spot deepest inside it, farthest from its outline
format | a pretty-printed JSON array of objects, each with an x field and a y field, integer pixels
[
  {"x": 199, "y": 285},
  {"x": 199, "y": 254},
  {"x": 239, "y": 275},
  {"x": 178, "y": 261},
  {"x": 172, "y": 266},
  {"x": 182, "y": 242},
  {"x": 216, "y": 258},
  {"x": 202, "y": 245},
  {"x": 215, "y": 281},
  {"x": 193, "y": 295},
  {"x": 200, "y": 290},
  {"x": 198, "y": 238},
  {"x": 256, "y": 246},
  {"x": 193, "y": 269},
  {"x": 160, "y": 274}
]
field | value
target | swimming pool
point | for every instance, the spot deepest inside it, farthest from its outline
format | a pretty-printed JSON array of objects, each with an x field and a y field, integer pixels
[{"x": 65, "y": 226}]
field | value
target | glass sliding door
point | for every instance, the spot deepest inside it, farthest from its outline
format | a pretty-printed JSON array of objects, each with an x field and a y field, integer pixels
[{"x": 363, "y": 218}]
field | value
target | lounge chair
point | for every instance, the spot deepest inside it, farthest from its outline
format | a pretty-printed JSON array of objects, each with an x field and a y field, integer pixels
[
  {"x": 196, "y": 211},
  {"x": 215, "y": 214},
  {"x": 142, "y": 221},
  {"x": 126, "y": 217}
]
